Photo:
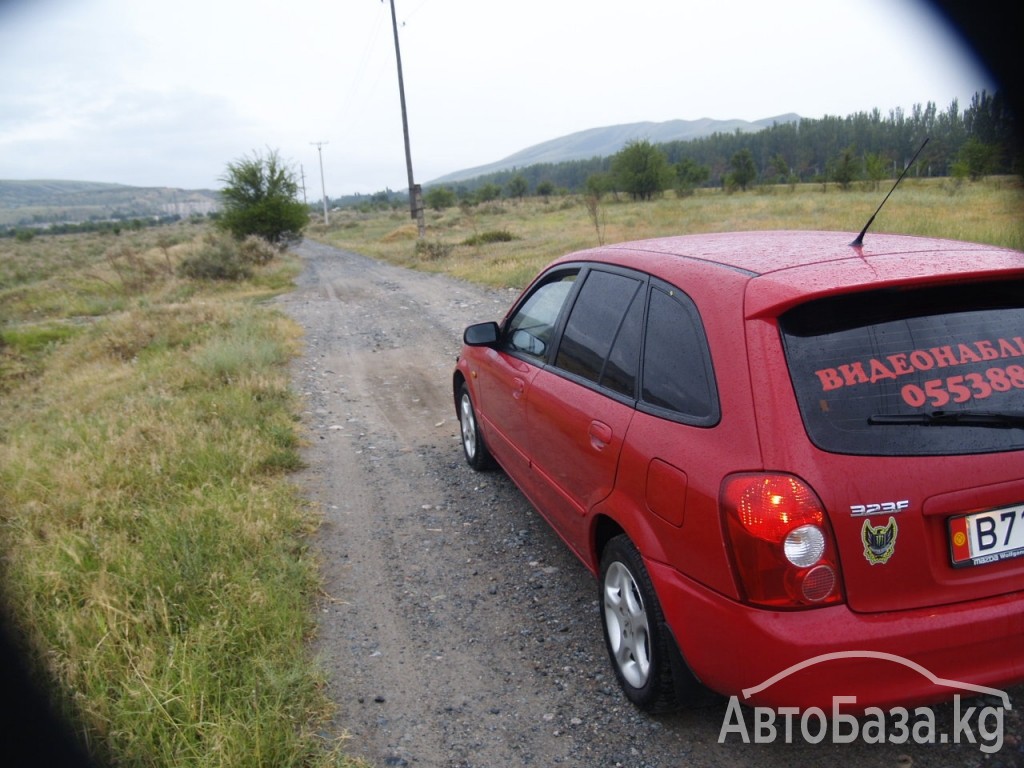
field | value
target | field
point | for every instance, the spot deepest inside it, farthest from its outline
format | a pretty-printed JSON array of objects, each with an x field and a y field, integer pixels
[
  {"x": 154, "y": 551},
  {"x": 990, "y": 212}
]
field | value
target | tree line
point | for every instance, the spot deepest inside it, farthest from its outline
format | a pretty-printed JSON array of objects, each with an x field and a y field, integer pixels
[
  {"x": 110, "y": 226},
  {"x": 978, "y": 141},
  {"x": 812, "y": 148}
]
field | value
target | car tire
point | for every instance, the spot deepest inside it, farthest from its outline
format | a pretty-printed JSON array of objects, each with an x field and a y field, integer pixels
[
  {"x": 635, "y": 635},
  {"x": 473, "y": 445}
]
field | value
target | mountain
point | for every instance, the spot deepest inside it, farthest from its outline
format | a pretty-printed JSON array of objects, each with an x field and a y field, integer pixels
[
  {"x": 33, "y": 202},
  {"x": 603, "y": 142}
]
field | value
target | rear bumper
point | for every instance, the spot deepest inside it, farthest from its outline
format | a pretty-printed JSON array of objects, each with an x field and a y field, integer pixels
[{"x": 731, "y": 647}]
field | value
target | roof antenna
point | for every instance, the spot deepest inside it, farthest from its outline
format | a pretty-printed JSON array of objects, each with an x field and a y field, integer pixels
[{"x": 860, "y": 238}]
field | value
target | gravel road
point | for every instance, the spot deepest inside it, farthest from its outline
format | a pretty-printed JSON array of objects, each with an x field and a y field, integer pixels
[{"x": 455, "y": 628}]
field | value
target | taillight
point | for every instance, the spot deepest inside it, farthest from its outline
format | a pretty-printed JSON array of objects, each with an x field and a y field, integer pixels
[{"x": 781, "y": 541}]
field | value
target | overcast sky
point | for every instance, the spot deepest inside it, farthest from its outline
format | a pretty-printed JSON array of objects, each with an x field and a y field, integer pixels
[{"x": 167, "y": 93}]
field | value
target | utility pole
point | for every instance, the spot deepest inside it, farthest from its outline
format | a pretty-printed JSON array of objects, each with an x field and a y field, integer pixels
[
  {"x": 323, "y": 189},
  {"x": 302, "y": 175},
  {"x": 415, "y": 193}
]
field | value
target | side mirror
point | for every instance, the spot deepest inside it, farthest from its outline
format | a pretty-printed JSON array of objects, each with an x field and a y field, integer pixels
[{"x": 481, "y": 334}]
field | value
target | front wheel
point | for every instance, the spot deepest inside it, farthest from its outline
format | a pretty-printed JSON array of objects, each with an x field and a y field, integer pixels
[
  {"x": 473, "y": 446},
  {"x": 634, "y": 628}
]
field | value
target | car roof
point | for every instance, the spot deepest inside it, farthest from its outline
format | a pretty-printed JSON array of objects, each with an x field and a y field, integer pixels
[{"x": 776, "y": 269}]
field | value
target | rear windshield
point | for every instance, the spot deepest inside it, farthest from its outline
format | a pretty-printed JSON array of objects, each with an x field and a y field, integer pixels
[{"x": 936, "y": 371}]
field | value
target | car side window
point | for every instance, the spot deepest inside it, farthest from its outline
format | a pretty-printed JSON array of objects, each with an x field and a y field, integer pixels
[
  {"x": 676, "y": 372},
  {"x": 621, "y": 369},
  {"x": 601, "y": 341},
  {"x": 531, "y": 328}
]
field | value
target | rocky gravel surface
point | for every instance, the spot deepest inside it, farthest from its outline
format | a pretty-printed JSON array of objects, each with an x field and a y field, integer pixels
[{"x": 455, "y": 628}]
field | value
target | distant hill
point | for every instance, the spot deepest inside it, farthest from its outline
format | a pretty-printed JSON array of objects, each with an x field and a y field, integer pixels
[
  {"x": 604, "y": 142},
  {"x": 24, "y": 203},
  {"x": 27, "y": 203}
]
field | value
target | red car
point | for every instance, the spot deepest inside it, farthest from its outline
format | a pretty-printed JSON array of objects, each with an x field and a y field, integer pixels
[{"x": 771, "y": 447}]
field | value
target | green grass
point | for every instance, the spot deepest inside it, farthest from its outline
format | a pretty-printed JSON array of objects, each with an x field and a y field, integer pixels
[
  {"x": 991, "y": 211},
  {"x": 35, "y": 338},
  {"x": 155, "y": 553}
]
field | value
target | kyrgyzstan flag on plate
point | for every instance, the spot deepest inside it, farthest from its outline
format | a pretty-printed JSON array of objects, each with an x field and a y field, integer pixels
[{"x": 959, "y": 541}]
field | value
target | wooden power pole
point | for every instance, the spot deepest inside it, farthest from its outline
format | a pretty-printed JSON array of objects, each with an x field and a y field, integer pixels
[
  {"x": 415, "y": 193},
  {"x": 323, "y": 188}
]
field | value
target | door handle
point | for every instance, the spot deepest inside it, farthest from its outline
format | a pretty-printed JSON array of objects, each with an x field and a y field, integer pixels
[
  {"x": 518, "y": 388},
  {"x": 600, "y": 435}
]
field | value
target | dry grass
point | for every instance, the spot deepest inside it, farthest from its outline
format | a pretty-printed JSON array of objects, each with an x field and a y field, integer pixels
[{"x": 991, "y": 211}]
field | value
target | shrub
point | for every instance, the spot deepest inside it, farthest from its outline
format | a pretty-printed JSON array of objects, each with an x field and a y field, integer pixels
[
  {"x": 218, "y": 258},
  {"x": 131, "y": 267},
  {"x": 432, "y": 251},
  {"x": 494, "y": 236},
  {"x": 439, "y": 198},
  {"x": 256, "y": 250}
]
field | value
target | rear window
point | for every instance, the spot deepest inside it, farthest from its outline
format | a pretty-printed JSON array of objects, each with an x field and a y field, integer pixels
[{"x": 935, "y": 371}]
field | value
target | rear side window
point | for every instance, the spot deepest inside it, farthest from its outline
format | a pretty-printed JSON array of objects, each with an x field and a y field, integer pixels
[
  {"x": 601, "y": 341},
  {"x": 677, "y": 375},
  {"x": 934, "y": 371}
]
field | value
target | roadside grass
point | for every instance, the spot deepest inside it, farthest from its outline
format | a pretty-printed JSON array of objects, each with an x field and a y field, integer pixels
[
  {"x": 989, "y": 211},
  {"x": 155, "y": 554}
]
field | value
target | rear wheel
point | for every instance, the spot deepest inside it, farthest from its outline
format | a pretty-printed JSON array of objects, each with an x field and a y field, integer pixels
[
  {"x": 473, "y": 446},
  {"x": 634, "y": 628}
]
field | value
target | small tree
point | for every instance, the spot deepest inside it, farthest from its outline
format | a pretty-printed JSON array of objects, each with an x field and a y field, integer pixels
[
  {"x": 690, "y": 175},
  {"x": 517, "y": 187},
  {"x": 260, "y": 198},
  {"x": 845, "y": 169},
  {"x": 488, "y": 193},
  {"x": 596, "y": 213},
  {"x": 978, "y": 158},
  {"x": 875, "y": 168},
  {"x": 439, "y": 198},
  {"x": 599, "y": 184},
  {"x": 744, "y": 171},
  {"x": 641, "y": 169}
]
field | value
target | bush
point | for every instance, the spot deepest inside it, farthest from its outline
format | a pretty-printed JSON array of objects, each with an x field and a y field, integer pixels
[
  {"x": 432, "y": 251},
  {"x": 255, "y": 250},
  {"x": 439, "y": 198},
  {"x": 218, "y": 258},
  {"x": 495, "y": 236},
  {"x": 131, "y": 267}
]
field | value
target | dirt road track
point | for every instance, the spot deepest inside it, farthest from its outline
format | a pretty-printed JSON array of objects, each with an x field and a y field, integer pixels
[{"x": 455, "y": 628}]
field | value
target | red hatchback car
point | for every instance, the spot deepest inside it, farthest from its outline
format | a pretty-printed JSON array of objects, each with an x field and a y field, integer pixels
[{"x": 773, "y": 446}]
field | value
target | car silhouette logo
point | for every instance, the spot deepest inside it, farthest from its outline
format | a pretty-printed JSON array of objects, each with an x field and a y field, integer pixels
[{"x": 880, "y": 655}]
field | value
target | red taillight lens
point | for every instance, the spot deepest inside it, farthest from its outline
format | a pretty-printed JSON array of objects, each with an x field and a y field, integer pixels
[{"x": 781, "y": 542}]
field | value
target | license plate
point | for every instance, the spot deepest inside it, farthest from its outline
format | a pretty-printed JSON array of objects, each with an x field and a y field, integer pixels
[{"x": 987, "y": 537}]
